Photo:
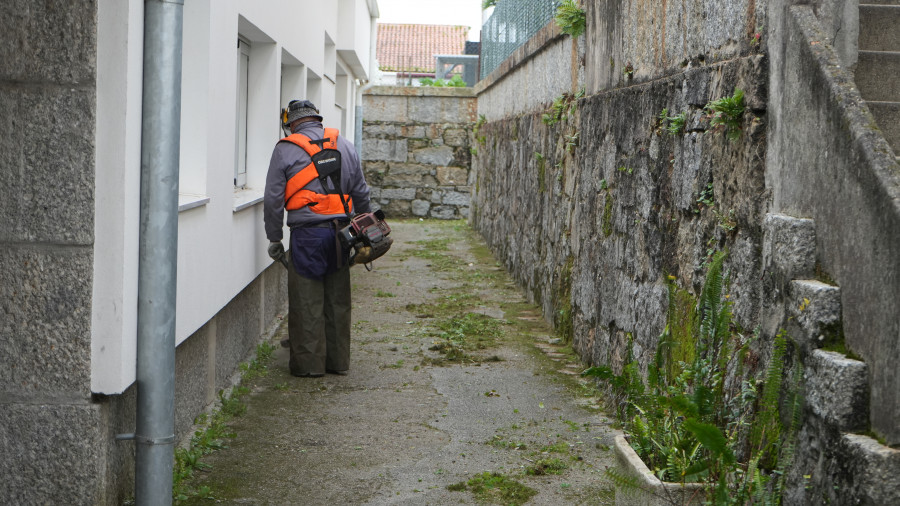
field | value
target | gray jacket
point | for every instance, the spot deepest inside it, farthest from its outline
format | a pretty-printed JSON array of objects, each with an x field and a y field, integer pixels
[{"x": 289, "y": 159}]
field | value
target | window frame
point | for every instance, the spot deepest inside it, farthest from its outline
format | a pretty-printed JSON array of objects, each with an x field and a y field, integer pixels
[{"x": 242, "y": 104}]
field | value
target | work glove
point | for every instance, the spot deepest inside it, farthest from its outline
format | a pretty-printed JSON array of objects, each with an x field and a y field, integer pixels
[
  {"x": 276, "y": 250},
  {"x": 363, "y": 255}
]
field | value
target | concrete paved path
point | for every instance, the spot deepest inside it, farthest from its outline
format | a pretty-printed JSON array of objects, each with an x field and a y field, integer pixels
[{"x": 454, "y": 375}]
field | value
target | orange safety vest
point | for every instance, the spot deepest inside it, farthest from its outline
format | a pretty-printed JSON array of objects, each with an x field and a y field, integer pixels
[{"x": 295, "y": 194}]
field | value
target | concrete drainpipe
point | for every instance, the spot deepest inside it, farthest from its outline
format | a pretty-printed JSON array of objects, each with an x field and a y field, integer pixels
[{"x": 160, "y": 144}]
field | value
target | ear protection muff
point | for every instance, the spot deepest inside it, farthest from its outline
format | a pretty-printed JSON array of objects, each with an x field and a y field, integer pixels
[{"x": 284, "y": 122}]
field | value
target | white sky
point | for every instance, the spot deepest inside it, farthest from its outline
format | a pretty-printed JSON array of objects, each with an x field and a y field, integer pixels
[{"x": 433, "y": 12}]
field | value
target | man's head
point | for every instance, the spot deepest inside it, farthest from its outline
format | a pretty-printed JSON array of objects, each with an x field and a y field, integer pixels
[{"x": 302, "y": 110}]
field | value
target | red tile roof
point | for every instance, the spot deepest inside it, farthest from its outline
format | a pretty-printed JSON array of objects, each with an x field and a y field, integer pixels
[{"x": 411, "y": 48}]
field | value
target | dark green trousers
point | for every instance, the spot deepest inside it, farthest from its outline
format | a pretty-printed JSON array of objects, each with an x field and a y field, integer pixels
[{"x": 319, "y": 323}]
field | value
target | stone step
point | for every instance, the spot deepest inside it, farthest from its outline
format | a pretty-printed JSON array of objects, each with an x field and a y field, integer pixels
[
  {"x": 879, "y": 27},
  {"x": 887, "y": 116},
  {"x": 880, "y": 2},
  {"x": 837, "y": 389},
  {"x": 872, "y": 471},
  {"x": 878, "y": 76},
  {"x": 789, "y": 247},
  {"x": 816, "y": 307}
]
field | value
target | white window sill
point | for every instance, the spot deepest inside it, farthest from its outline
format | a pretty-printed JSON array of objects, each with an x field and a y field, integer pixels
[
  {"x": 188, "y": 201},
  {"x": 246, "y": 197}
]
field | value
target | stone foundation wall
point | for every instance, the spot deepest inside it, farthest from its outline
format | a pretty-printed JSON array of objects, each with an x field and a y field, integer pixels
[
  {"x": 207, "y": 361},
  {"x": 416, "y": 150}
]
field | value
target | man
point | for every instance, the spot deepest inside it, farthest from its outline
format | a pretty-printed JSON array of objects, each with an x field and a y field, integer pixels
[{"x": 318, "y": 197}]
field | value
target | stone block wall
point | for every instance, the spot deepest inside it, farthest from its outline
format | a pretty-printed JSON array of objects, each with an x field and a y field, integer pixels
[
  {"x": 53, "y": 440},
  {"x": 594, "y": 228},
  {"x": 416, "y": 150}
]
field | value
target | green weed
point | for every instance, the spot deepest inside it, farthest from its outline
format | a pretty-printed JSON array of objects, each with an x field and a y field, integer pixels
[
  {"x": 454, "y": 82},
  {"x": 499, "y": 442}
]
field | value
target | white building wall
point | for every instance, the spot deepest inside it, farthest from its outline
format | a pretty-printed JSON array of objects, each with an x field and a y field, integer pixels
[{"x": 221, "y": 241}]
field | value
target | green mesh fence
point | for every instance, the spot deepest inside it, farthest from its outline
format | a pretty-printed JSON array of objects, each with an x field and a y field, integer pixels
[{"x": 512, "y": 23}]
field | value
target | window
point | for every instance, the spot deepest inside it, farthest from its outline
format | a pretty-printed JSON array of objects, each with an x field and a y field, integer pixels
[
  {"x": 341, "y": 96},
  {"x": 240, "y": 141}
]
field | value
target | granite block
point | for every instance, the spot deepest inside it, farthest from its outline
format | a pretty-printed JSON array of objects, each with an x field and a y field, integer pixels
[
  {"x": 816, "y": 307},
  {"x": 45, "y": 319},
  {"x": 47, "y": 186},
  {"x": 398, "y": 193},
  {"x": 452, "y": 175},
  {"x": 837, "y": 389},
  {"x": 53, "y": 42},
  {"x": 420, "y": 207},
  {"x": 789, "y": 246},
  {"x": 444, "y": 212},
  {"x": 383, "y": 149},
  {"x": 874, "y": 471},
  {"x": 51, "y": 453},
  {"x": 454, "y": 198},
  {"x": 386, "y": 108},
  {"x": 456, "y": 137},
  {"x": 441, "y": 155}
]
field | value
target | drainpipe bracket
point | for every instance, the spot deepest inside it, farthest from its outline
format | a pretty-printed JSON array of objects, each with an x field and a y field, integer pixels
[{"x": 167, "y": 440}]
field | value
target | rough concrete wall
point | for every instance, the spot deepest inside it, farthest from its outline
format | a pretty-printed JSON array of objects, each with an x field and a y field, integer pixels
[
  {"x": 416, "y": 150},
  {"x": 547, "y": 66},
  {"x": 827, "y": 161},
  {"x": 54, "y": 443},
  {"x": 636, "y": 40}
]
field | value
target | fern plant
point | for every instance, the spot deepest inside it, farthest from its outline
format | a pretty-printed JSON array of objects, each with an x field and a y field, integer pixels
[
  {"x": 673, "y": 124},
  {"x": 570, "y": 18},
  {"x": 687, "y": 428},
  {"x": 674, "y": 423},
  {"x": 727, "y": 113}
]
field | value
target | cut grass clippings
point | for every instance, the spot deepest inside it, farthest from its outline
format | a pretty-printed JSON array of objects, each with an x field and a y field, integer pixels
[
  {"x": 495, "y": 488},
  {"x": 460, "y": 335},
  {"x": 551, "y": 465}
]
